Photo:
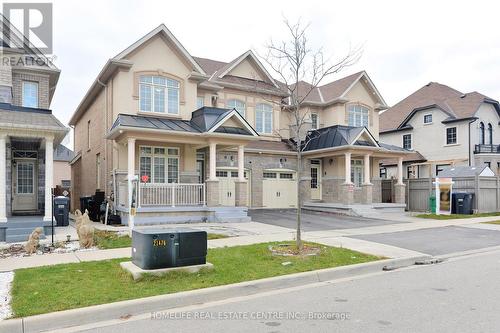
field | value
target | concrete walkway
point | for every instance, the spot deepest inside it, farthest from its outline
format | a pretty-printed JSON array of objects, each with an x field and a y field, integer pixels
[{"x": 254, "y": 232}]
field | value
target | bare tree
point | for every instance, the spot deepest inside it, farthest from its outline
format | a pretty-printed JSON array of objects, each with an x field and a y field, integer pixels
[{"x": 301, "y": 70}]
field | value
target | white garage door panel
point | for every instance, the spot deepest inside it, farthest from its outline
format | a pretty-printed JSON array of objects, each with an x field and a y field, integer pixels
[
  {"x": 279, "y": 192},
  {"x": 227, "y": 187}
]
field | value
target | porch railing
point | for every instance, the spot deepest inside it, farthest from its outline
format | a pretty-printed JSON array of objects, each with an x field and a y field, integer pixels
[{"x": 171, "y": 194}]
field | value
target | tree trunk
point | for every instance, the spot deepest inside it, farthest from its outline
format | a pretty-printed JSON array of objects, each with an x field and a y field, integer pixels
[{"x": 299, "y": 199}]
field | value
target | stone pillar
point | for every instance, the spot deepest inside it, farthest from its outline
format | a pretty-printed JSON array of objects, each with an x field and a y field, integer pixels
[
  {"x": 400, "y": 170},
  {"x": 399, "y": 193},
  {"x": 241, "y": 163},
  {"x": 366, "y": 193},
  {"x": 212, "y": 192},
  {"x": 49, "y": 174},
  {"x": 240, "y": 198},
  {"x": 367, "y": 169},
  {"x": 3, "y": 178},
  {"x": 347, "y": 193},
  {"x": 130, "y": 179}
]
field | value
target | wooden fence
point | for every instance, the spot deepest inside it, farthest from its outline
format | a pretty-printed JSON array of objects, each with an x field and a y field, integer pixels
[{"x": 486, "y": 192}]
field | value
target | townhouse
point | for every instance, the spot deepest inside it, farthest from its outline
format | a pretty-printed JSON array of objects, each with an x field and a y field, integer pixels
[{"x": 172, "y": 137}]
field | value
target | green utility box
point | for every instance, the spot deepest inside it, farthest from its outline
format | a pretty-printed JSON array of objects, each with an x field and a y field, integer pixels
[{"x": 432, "y": 204}]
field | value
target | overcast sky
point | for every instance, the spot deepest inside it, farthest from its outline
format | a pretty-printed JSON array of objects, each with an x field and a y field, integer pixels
[{"x": 405, "y": 44}]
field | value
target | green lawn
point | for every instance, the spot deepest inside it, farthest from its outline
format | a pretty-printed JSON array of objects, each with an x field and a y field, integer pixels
[
  {"x": 66, "y": 286},
  {"x": 493, "y": 222},
  {"x": 456, "y": 216},
  {"x": 111, "y": 239}
]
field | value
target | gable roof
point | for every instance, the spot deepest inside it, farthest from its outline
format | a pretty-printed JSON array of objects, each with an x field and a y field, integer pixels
[
  {"x": 63, "y": 153},
  {"x": 336, "y": 91},
  {"x": 163, "y": 31},
  {"x": 457, "y": 105}
]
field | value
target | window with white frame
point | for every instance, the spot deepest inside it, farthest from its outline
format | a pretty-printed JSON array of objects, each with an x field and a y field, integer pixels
[
  {"x": 314, "y": 121},
  {"x": 30, "y": 94},
  {"x": 357, "y": 173},
  {"x": 451, "y": 135},
  {"x": 427, "y": 118},
  {"x": 357, "y": 115},
  {"x": 264, "y": 118},
  {"x": 159, "y": 164},
  {"x": 200, "y": 102},
  {"x": 158, "y": 94},
  {"x": 238, "y": 105}
]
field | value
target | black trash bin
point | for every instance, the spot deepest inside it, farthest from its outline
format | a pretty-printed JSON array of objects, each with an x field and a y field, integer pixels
[
  {"x": 84, "y": 202},
  {"x": 61, "y": 211},
  {"x": 462, "y": 203}
]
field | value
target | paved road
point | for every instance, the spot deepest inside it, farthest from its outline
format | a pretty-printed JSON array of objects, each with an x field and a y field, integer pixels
[
  {"x": 461, "y": 295},
  {"x": 437, "y": 241},
  {"x": 313, "y": 221}
]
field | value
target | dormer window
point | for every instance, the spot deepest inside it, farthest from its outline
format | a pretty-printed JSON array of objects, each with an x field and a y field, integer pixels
[
  {"x": 158, "y": 94},
  {"x": 238, "y": 105},
  {"x": 30, "y": 94},
  {"x": 357, "y": 115}
]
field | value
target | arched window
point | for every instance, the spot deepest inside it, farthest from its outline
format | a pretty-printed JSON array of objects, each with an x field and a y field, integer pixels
[
  {"x": 481, "y": 133},
  {"x": 264, "y": 118},
  {"x": 238, "y": 105},
  {"x": 490, "y": 134},
  {"x": 158, "y": 94},
  {"x": 357, "y": 115}
]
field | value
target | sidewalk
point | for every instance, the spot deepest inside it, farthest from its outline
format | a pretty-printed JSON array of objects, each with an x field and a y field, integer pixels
[{"x": 255, "y": 232}]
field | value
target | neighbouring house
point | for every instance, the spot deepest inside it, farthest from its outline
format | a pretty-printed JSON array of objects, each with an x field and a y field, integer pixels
[
  {"x": 28, "y": 134},
  {"x": 62, "y": 169},
  {"x": 172, "y": 137},
  {"x": 467, "y": 171},
  {"x": 443, "y": 127}
]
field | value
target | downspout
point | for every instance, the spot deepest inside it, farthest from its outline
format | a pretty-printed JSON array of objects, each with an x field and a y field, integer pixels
[
  {"x": 106, "y": 130},
  {"x": 470, "y": 122}
]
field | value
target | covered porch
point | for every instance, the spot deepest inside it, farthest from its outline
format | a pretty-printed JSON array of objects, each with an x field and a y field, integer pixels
[{"x": 169, "y": 174}]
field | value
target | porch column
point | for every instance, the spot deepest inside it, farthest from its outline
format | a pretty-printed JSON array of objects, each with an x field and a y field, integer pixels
[
  {"x": 241, "y": 184},
  {"x": 399, "y": 188},
  {"x": 3, "y": 178},
  {"x": 130, "y": 179},
  {"x": 49, "y": 172},
  {"x": 212, "y": 183},
  {"x": 347, "y": 168},
  {"x": 347, "y": 188},
  {"x": 367, "y": 186}
]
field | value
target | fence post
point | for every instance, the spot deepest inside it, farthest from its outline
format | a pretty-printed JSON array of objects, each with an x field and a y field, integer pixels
[
  {"x": 173, "y": 194},
  {"x": 477, "y": 190}
]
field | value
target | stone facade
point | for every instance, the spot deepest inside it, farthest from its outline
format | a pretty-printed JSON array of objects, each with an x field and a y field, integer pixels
[
  {"x": 377, "y": 190},
  {"x": 43, "y": 88},
  {"x": 346, "y": 192},
  {"x": 241, "y": 193},
  {"x": 367, "y": 193},
  {"x": 330, "y": 188},
  {"x": 400, "y": 192},
  {"x": 212, "y": 192}
]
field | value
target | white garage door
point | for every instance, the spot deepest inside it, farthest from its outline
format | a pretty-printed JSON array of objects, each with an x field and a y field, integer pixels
[
  {"x": 279, "y": 189},
  {"x": 227, "y": 186}
]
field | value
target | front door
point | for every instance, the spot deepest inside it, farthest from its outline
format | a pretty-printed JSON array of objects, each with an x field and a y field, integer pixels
[
  {"x": 315, "y": 179},
  {"x": 24, "y": 186}
]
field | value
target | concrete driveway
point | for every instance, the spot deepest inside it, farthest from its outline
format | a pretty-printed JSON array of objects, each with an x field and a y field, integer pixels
[
  {"x": 313, "y": 221},
  {"x": 438, "y": 241}
]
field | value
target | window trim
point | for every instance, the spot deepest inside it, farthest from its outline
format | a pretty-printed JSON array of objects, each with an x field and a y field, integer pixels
[
  {"x": 490, "y": 134},
  {"x": 348, "y": 111},
  {"x": 165, "y": 76},
  {"x": 233, "y": 107},
  {"x": 428, "y": 122},
  {"x": 317, "y": 120},
  {"x": 166, "y": 156},
  {"x": 411, "y": 141},
  {"x": 359, "y": 165},
  {"x": 482, "y": 137},
  {"x": 271, "y": 111},
  {"x": 37, "y": 84},
  {"x": 456, "y": 136}
]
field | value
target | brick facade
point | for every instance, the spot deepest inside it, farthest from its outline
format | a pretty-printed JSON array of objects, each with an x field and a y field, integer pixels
[{"x": 43, "y": 88}]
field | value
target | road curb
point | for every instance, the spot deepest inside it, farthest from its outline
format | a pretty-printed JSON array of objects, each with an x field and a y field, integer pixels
[{"x": 105, "y": 312}]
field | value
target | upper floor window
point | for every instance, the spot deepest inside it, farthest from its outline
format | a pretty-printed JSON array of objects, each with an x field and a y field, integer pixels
[
  {"x": 490, "y": 134},
  {"x": 481, "y": 133},
  {"x": 158, "y": 94},
  {"x": 200, "y": 102},
  {"x": 407, "y": 141},
  {"x": 314, "y": 121},
  {"x": 358, "y": 115},
  {"x": 451, "y": 135},
  {"x": 264, "y": 118},
  {"x": 428, "y": 119},
  {"x": 30, "y": 94},
  {"x": 238, "y": 105}
]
